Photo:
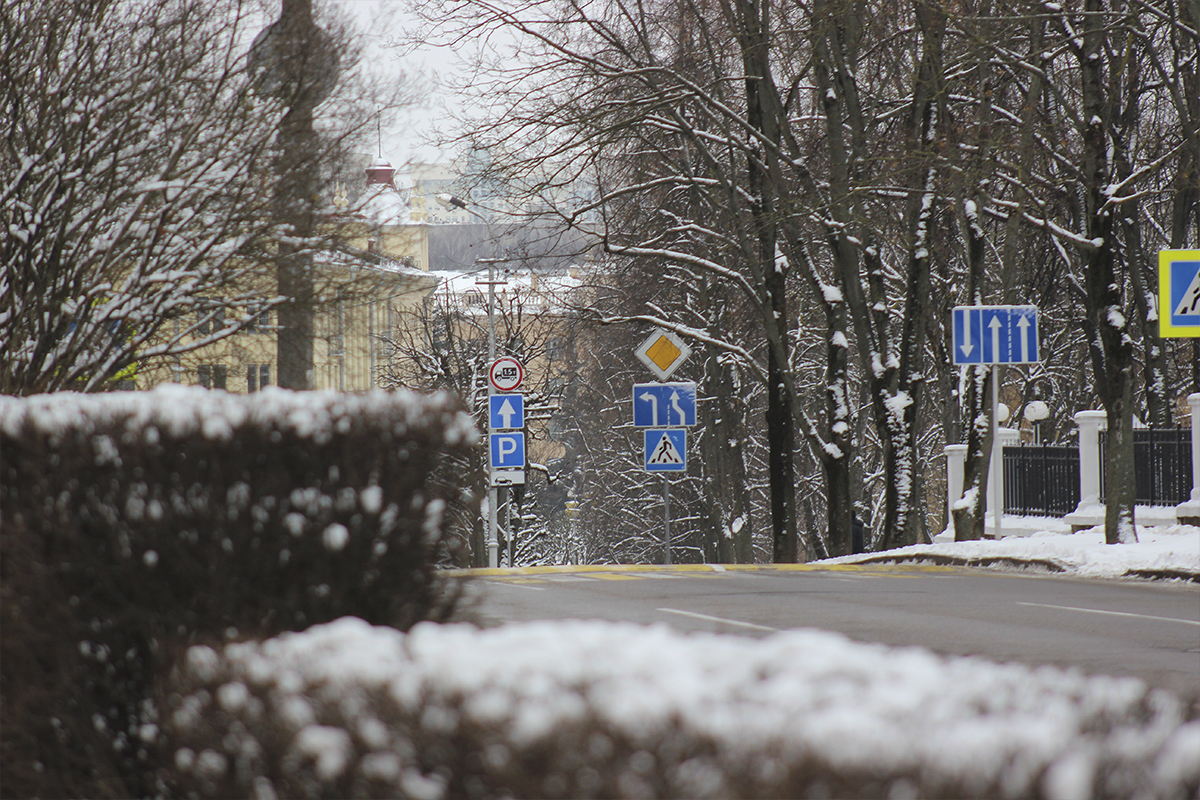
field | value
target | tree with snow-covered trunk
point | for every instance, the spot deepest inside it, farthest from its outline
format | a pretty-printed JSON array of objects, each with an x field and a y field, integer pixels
[{"x": 893, "y": 359}]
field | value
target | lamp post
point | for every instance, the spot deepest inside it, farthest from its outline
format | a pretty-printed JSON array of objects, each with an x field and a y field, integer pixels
[
  {"x": 1035, "y": 412},
  {"x": 450, "y": 201}
]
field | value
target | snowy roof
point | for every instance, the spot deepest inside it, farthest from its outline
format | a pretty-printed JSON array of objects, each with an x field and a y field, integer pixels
[{"x": 550, "y": 289}]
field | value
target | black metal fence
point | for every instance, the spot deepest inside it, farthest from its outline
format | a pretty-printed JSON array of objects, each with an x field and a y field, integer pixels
[
  {"x": 1041, "y": 480},
  {"x": 1162, "y": 459}
]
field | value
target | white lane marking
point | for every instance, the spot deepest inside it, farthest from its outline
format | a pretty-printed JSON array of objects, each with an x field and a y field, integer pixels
[
  {"x": 1112, "y": 613},
  {"x": 721, "y": 620},
  {"x": 518, "y": 585}
]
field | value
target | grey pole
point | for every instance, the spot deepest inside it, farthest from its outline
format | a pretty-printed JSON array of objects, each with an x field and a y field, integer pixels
[
  {"x": 448, "y": 200},
  {"x": 997, "y": 456},
  {"x": 667, "y": 520},
  {"x": 493, "y": 539}
]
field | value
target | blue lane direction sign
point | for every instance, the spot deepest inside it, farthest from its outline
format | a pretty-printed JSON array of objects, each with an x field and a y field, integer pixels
[
  {"x": 506, "y": 412},
  {"x": 665, "y": 449},
  {"x": 664, "y": 405},
  {"x": 995, "y": 335},
  {"x": 508, "y": 450}
]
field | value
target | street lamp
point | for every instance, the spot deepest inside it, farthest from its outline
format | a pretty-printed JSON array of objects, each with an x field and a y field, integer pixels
[
  {"x": 450, "y": 201},
  {"x": 1035, "y": 412}
]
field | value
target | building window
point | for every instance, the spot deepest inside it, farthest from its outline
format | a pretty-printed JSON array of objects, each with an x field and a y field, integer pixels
[
  {"x": 259, "y": 323},
  {"x": 212, "y": 376},
  {"x": 211, "y": 322},
  {"x": 258, "y": 376}
]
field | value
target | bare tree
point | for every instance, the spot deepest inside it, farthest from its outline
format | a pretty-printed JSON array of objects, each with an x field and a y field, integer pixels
[{"x": 137, "y": 190}]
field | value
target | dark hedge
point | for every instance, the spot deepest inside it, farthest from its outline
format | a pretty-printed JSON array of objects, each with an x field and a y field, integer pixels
[{"x": 133, "y": 525}]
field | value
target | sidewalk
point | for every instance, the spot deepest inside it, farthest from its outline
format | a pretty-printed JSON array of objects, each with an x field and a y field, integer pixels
[{"x": 1170, "y": 552}]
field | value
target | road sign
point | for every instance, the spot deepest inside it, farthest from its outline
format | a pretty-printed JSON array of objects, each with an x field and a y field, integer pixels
[
  {"x": 508, "y": 450},
  {"x": 508, "y": 477},
  {"x": 663, "y": 352},
  {"x": 506, "y": 373},
  {"x": 995, "y": 335},
  {"x": 665, "y": 450},
  {"x": 664, "y": 405},
  {"x": 1179, "y": 293},
  {"x": 506, "y": 411}
]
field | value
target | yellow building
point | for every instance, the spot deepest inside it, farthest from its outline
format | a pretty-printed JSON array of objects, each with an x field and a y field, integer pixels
[{"x": 365, "y": 287}]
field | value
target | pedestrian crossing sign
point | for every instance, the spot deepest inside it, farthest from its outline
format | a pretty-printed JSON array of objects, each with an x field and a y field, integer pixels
[
  {"x": 1179, "y": 293},
  {"x": 665, "y": 449}
]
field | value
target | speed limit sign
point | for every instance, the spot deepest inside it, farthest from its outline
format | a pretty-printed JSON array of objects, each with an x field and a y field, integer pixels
[{"x": 506, "y": 374}]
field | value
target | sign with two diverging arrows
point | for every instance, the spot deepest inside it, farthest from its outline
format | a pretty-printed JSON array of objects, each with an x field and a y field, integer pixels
[
  {"x": 995, "y": 335},
  {"x": 664, "y": 405}
]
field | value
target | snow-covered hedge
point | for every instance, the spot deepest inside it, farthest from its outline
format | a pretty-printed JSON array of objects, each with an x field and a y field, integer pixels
[
  {"x": 137, "y": 524},
  {"x": 597, "y": 709}
]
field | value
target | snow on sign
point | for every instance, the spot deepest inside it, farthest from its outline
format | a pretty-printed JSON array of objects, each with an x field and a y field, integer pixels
[
  {"x": 995, "y": 335},
  {"x": 663, "y": 352},
  {"x": 665, "y": 449},
  {"x": 506, "y": 373},
  {"x": 1179, "y": 293}
]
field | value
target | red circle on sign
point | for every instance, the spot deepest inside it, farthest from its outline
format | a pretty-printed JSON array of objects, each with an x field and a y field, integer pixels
[{"x": 506, "y": 373}]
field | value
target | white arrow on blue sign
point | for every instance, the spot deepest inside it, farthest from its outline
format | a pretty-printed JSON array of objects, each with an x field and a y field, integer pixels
[
  {"x": 508, "y": 450},
  {"x": 665, "y": 450},
  {"x": 995, "y": 335},
  {"x": 664, "y": 405},
  {"x": 506, "y": 411}
]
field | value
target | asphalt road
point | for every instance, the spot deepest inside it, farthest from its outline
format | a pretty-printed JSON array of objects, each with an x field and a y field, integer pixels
[{"x": 1144, "y": 629}]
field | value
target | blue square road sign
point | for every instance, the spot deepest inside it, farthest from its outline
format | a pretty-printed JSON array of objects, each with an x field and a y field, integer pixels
[
  {"x": 664, "y": 405},
  {"x": 507, "y": 450},
  {"x": 506, "y": 412},
  {"x": 665, "y": 450}
]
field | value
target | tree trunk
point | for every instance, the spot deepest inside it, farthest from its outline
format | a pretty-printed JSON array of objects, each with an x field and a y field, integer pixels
[{"x": 1103, "y": 284}]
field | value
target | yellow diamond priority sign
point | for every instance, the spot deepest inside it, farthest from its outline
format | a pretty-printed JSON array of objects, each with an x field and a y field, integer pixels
[{"x": 663, "y": 352}]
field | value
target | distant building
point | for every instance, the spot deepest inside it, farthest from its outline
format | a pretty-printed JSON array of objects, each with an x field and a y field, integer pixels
[{"x": 367, "y": 285}]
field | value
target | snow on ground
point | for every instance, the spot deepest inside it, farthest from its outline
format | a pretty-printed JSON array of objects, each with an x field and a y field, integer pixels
[
  {"x": 1167, "y": 552},
  {"x": 961, "y": 725},
  {"x": 957, "y": 725}
]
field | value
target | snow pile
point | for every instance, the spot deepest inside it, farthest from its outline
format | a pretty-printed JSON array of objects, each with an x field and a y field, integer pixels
[
  {"x": 1160, "y": 552},
  {"x": 181, "y": 412},
  {"x": 597, "y": 709}
]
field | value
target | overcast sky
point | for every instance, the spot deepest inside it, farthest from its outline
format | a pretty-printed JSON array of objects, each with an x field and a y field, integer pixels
[{"x": 380, "y": 20}]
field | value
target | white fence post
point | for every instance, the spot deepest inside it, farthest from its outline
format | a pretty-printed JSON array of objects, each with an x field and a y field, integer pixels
[
  {"x": 1089, "y": 513},
  {"x": 956, "y": 457},
  {"x": 995, "y": 487},
  {"x": 1188, "y": 512}
]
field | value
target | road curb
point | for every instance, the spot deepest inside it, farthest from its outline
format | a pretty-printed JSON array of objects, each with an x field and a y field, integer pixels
[{"x": 930, "y": 560}]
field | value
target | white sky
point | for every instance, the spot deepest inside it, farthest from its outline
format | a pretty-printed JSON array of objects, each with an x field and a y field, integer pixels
[{"x": 380, "y": 20}]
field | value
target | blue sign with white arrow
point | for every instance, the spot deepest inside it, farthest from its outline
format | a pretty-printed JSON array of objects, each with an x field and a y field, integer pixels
[
  {"x": 506, "y": 411},
  {"x": 664, "y": 405},
  {"x": 995, "y": 335},
  {"x": 508, "y": 450}
]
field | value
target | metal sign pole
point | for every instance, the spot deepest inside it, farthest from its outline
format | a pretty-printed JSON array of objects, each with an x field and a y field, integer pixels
[
  {"x": 997, "y": 456},
  {"x": 667, "y": 520}
]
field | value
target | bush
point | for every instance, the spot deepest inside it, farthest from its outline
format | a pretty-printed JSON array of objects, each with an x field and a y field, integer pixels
[
  {"x": 615, "y": 710},
  {"x": 135, "y": 525}
]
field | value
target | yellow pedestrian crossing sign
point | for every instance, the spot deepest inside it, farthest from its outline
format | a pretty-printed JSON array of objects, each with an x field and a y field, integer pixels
[{"x": 1179, "y": 293}]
